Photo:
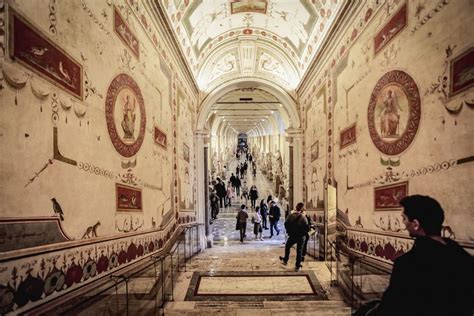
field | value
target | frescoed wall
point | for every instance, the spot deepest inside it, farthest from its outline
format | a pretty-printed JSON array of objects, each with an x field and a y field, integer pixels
[
  {"x": 89, "y": 122},
  {"x": 394, "y": 125}
]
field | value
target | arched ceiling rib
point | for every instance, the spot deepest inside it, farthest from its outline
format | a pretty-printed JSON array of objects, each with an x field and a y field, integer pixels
[
  {"x": 246, "y": 109},
  {"x": 274, "y": 39}
]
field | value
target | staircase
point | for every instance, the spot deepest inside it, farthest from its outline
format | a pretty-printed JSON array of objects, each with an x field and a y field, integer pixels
[{"x": 229, "y": 308}]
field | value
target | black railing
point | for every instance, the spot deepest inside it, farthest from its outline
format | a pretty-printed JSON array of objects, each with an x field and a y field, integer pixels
[{"x": 359, "y": 278}]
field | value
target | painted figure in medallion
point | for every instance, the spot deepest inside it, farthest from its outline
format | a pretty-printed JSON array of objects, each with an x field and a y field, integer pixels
[
  {"x": 128, "y": 122},
  {"x": 389, "y": 117}
]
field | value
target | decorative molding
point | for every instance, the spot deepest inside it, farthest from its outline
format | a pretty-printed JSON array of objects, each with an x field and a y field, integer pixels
[
  {"x": 94, "y": 18},
  {"x": 428, "y": 16},
  {"x": 53, "y": 20},
  {"x": 381, "y": 246},
  {"x": 390, "y": 176},
  {"x": 51, "y": 271},
  {"x": 91, "y": 168}
]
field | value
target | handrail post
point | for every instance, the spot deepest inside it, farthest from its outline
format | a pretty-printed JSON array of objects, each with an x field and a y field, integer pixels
[
  {"x": 125, "y": 279},
  {"x": 185, "y": 242}
]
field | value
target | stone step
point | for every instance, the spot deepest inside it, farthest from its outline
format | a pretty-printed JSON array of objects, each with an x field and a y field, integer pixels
[{"x": 231, "y": 308}]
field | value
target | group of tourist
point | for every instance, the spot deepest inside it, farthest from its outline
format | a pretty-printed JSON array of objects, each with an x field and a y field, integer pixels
[
  {"x": 260, "y": 218},
  {"x": 436, "y": 269}
]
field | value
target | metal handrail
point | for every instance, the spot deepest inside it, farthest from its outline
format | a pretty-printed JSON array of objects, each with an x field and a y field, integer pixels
[
  {"x": 124, "y": 278},
  {"x": 355, "y": 259}
]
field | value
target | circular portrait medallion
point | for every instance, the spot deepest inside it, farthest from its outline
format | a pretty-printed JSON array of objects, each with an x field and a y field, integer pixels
[
  {"x": 394, "y": 112},
  {"x": 125, "y": 115}
]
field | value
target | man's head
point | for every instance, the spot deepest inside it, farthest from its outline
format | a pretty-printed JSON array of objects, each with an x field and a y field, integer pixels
[
  {"x": 422, "y": 215},
  {"x": 243, "y": 207},
  {"x": 299, "y": 207}
]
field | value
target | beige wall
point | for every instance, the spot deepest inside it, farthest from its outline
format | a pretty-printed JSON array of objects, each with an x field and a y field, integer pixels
[
  {"x": 85, "y": 30},
  {"x": 349, "y": 75}
]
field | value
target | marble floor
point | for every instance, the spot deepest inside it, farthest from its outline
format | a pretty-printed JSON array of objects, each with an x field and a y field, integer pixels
[{"x": 234, "y": 278}]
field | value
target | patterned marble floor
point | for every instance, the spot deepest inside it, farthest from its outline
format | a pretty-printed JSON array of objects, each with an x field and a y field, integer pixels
[{"x": 223, "y": 229}]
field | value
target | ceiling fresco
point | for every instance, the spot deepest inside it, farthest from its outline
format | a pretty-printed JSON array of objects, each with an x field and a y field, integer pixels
[{"x": 290, "y": 31}]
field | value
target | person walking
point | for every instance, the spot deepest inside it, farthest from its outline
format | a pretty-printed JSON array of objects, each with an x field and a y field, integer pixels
[
  {"x": 274, "y": 214},
  {"x": 253, "y": 195},
  {"x": 257, "y": 224},
  {"x": 221, "y": 191},
  {"x": 296, "y": 226},
  {"x": 214, "y": 204},
  {"x": 237, "y": 184},
  {"x": 241, "y": 217},
  {"x": 229, "y": 195},
  {"x": 245, "y": 192},
  {"x": 264, "y": 213}
]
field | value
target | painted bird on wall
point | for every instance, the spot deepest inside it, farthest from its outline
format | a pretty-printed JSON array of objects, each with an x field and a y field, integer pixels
[{"x": 57, "y": 209}]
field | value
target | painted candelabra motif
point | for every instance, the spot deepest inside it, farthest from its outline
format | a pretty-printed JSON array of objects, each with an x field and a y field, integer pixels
[
  {"x": 394, "y": 112},
  {"x": 125, "y": 115},
  {"x": 32, "y": 48}
]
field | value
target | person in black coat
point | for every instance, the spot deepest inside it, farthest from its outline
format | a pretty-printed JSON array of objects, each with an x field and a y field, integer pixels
[
  {"x": 253, "y": 194},
  {"x": 264, "y": 213},
  {"x": 296, "y": 226},
  {"x": 435, "y": 277},
  {"x": 274, "y": 214},
  {"x": 221, "y": 191}
]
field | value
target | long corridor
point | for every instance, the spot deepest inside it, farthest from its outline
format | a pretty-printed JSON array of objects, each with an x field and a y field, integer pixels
[{"x": 234, "y": 278}]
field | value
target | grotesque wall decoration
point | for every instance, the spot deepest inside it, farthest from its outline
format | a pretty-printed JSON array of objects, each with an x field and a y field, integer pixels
[
  {"x": 125, "y": 115},
  {"x": 348, "y": 136},
  {"x": 33, "y": 49},
  {"x": 462, "y": 69},
  {"x": 129, "y": 199},
  {"x": 394, "y": 112},
  {"x": 387, "y": 198},
  {"x": 160, "y": 137},
  {"x": 392, "y": 28},
  {"x": 125, "y": 34}
]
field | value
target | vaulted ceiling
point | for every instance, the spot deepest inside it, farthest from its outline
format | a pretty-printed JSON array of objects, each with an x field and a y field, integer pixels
[{"x": 270, "y": 39}]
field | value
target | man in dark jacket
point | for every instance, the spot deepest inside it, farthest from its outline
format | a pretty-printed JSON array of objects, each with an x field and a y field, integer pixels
[
  {"x": 220, "y": 190},
  {"x": 214, "y": 204},
  {"x": 241, "y": 217},
  {"x": 296, "y": 226},
  {"x": 274, "y": 215},
  {"x": 436, "y": 276}
]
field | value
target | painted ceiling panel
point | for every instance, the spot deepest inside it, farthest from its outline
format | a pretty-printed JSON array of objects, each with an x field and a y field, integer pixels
[{"x": 295, "y": 28}]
